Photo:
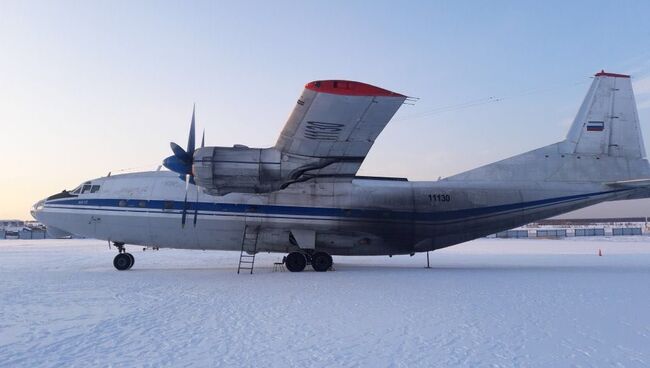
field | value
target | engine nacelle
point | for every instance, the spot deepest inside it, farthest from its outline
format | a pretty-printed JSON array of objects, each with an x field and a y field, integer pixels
[{"x": 222, "y": 170}]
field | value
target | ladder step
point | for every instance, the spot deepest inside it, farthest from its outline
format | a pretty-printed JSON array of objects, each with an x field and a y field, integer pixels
[{"x": 249, "y": 242}]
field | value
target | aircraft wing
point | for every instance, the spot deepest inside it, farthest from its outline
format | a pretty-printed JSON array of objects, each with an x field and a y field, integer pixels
[{"x": 334, "y": 124}]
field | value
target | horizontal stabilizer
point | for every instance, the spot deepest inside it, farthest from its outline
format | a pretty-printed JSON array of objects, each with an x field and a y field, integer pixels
[{"x": 636, "y": 183}]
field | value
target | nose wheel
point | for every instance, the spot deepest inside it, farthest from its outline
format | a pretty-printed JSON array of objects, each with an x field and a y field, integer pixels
[{"x": 123, "y": 261}]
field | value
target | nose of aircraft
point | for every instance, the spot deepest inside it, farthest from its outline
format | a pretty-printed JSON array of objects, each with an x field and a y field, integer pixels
[{"x": 36, "y": 209}]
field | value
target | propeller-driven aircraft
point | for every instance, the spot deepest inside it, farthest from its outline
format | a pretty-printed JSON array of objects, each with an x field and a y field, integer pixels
[{"x": 303, "y": 197}]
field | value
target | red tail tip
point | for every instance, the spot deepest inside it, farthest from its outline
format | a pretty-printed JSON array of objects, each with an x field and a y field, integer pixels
[{"x": 603, "y": 73}]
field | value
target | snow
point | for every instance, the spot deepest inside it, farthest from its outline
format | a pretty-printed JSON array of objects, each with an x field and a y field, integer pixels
[{"x": 486, "y": 303}]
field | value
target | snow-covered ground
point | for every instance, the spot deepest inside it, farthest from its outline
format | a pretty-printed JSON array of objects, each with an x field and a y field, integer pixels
[{"x": 486, "y": 303}]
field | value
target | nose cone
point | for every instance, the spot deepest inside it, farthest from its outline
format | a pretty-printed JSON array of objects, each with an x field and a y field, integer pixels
[
  {"x": 177, "y": 165},
  {"x": 36, "y": 209}
]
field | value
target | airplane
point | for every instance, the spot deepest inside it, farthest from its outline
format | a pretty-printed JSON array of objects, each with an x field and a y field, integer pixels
[{"x": 303, "y": 196}]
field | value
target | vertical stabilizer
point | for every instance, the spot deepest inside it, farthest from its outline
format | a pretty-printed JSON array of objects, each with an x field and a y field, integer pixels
[
  {"x": 607, "y": 122},
  {"x": 604, "y": 144}
]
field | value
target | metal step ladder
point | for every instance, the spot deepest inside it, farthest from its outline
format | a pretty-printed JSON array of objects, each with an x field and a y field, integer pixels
[{"x": 248, "y": 244}]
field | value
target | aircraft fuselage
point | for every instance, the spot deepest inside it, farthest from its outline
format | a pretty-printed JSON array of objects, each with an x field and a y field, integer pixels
[{"x": 362, "y": 217}]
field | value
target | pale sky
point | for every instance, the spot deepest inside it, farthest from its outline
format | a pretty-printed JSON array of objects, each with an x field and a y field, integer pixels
[{"x": 88, "y": 87}]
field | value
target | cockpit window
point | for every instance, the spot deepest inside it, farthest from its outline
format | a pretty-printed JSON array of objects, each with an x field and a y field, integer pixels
[
  {"x": 77, "y": 190},
  {"x": 94, "y": 188},
  {"x": 86, "y": 188}
]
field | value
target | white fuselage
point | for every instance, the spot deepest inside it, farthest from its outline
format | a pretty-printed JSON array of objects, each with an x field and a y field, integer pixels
[{"x": 362, "y": 217}]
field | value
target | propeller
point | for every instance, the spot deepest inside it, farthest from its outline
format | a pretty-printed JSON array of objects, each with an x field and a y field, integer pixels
[
  {"x": 181, "y": 162},
  {"x": 196, "y": 205}
]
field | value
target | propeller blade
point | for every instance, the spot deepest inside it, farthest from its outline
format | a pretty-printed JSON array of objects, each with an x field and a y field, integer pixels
[
  {"x": 177, "y": 165},
  {"x": 203, "y": 139},
  {"x": 182, "y": 160},
  {"x": 179, "y": 151},
  {"x": 190, "y": 140},
  {"x": 184, "y": 215},
  {"x": 196, "y": 205}
]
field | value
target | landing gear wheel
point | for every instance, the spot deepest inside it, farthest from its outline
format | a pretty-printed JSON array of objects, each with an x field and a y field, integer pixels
[
  {"x": 321, "y": 261},
  {"x": 295, "y": 262},
  {"x": 132, "y": 260},
  {"x": 123, "y": 261}
]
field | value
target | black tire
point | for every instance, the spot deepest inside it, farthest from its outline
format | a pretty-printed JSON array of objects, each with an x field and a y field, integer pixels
[
  {"x": 122, "y": 262},
  {"x": 295, "y": 262},
  {"x": 132, "y": 260},
  {"x": 321, "y": 261}
]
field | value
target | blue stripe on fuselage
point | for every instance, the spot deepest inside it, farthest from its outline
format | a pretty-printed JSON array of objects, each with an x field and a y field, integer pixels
[{"x": 376, "y": 214}]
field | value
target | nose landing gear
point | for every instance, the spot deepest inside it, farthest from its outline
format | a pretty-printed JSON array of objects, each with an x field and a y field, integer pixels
[{"x": 122, "y": 261}]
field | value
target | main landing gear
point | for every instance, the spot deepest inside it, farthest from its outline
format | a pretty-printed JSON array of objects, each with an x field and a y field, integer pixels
[
  {"x": 297, "y": 261},
  {"x": 123, "y": 260}
]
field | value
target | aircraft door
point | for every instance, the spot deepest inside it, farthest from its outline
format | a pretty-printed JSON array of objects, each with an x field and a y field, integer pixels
[
  {"x": 253, "y": 220},
  {"x": 254, "y": 214}
]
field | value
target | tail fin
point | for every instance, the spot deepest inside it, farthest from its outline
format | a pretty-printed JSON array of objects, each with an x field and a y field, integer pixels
[
  {"x": 604, "y": 144},
  {"x": 607, "y": 122}
]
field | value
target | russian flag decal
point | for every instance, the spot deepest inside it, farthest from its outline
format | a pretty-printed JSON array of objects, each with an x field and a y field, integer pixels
[{"x": 595, "y": 126}]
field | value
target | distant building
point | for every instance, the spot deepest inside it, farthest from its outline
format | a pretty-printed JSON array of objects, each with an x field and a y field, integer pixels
[
  {"x": 18, "y": 229},
  {"x": 588, "y": 221},
  {"x": 12, "y": 225}
]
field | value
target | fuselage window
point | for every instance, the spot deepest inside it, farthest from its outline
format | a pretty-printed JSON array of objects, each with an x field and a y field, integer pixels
[
  {"x": 122, "y": 203},
  {"x": 86, "y": 188},
  {"x": 142, "y": 204},
  {"x": 94, "y": 188},
  {"x": 168, "y": 205}
]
